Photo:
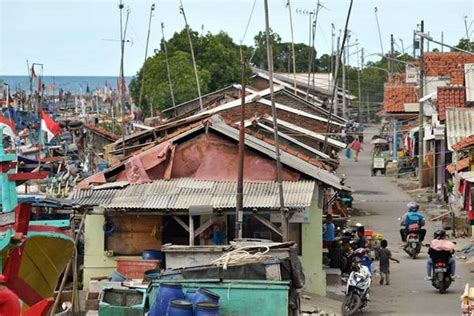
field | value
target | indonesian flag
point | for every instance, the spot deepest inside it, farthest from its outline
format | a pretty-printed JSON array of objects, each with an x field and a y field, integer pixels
[
  {"x": 8, "y": 126},
  {"x": 49, "y": 126}
]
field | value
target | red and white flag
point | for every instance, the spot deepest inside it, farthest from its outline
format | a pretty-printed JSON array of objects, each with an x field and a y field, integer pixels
[
  {"x": 49, "y": 126},
  {"x": 8, "y": 126}
]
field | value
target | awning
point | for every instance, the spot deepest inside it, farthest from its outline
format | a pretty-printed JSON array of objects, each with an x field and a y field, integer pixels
[
  {"x": 184, "y": 193},
  {"x": 462, "y": 164}
]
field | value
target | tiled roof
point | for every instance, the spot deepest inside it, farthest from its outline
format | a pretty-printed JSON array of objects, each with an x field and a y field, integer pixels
[
  {"x": 443, "y": 64},
  {"x": 450, "y": 97},
  {"x": 462, "y": 164},
  {"x": 395, "y": 97},
  {"x": 465, "y": 143}
]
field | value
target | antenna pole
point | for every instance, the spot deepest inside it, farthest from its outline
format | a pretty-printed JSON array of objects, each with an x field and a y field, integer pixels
[
  {"x": 293, "y": 54},
  {"x": 146, "y": 53},
  {"x": 283, "y": 210},
  {"x": 192, "y": 53},
  {"x": 168, "y": 68}
]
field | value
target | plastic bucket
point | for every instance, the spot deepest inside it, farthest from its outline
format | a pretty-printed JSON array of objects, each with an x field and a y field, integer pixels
[
  {"x": 166, "y": 293},
  {"x": 180, "y": 308},
  {"x": 204, "y": 295},
  {"x": 206, "y": 309}
]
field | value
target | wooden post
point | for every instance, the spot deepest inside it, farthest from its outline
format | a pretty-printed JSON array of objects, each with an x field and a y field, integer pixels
[
  {"x": 283, "y": 210},
  {"x": 68, "y": 267},
  {"x": 191, "y": 230}
]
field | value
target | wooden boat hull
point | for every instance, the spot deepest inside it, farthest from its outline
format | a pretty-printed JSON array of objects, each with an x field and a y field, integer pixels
[{"x": 33, "y": 269}]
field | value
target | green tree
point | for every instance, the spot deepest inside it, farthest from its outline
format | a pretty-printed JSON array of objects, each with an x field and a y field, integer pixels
[
  {"x": 156, "y": 90},
  {"x": 218, "y": 62},
  {"x": 465, "y": 44}
]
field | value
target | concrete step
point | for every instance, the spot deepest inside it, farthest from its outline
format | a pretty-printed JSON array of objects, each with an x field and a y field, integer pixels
[{"x": 333, "y": 276}]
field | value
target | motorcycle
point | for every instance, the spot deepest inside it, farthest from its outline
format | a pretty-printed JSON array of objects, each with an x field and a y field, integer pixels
[
  {"x": 357, "y": 289},
  {"x": 413, "y": 246},
  {"x": 441, "y": 276}
]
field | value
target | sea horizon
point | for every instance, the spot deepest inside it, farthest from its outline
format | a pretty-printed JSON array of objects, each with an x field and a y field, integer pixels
[{"x": 71, "y": 83}]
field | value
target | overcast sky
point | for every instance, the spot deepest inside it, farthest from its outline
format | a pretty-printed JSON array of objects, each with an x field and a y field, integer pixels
[{"x": 74, "y": 37}]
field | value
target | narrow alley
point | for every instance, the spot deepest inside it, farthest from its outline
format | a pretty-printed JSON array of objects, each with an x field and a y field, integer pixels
[{"x": 409, "y": 293}]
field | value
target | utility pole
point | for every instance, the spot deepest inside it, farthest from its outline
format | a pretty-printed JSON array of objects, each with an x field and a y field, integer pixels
[
  {"x": 334, "y": 91},
  {"x": 442, "y": 42},
  {"x": 368, "y": 108},
  {"x": 391, "y": 54},
  {"x": 414, "y": 44},
  {"x": 310, "y": 51},
  {"x": 30, "y": 77},
  {"x": 335, "y": 88},
  {"x": 146, "y": 53},
  {"x": 240, "y": 178},
  {"x": 168, "y": 68},
  {"x": 293, "y": 54},
  {"x": 420, "y": 112},
  {"x": 378, "y": 28},
  {"x": 181, "y": 10},
  {"x": 333, "y": 35},
  {"x": 344, "y": 105},
  {"x": 403, "y": 46},
  {"x": 358, "y": 82},
  {"x": 123, "y": 32},
  {"x": 283, "y": 210}
]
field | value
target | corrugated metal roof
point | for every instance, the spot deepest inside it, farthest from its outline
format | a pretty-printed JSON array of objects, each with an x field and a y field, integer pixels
[
  {"x": 459, "y": 124},
  {"x": 469, "y": 76},
  {"x": 180, "y": 194}
]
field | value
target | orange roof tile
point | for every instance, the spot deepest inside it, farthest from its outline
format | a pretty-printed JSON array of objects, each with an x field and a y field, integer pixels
[
  {"x": 465, "y": 143},
  {"x": 462, "y": 164},
  {"x": 443, "y": 64},
  {"x": 452, "y": 97},
  {"x": 395, "y": 96}
]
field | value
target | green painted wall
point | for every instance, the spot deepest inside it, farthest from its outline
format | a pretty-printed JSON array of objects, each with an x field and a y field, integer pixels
[
  {"x": 96, "y": 264},
  {"x": 312, "y": 248}
]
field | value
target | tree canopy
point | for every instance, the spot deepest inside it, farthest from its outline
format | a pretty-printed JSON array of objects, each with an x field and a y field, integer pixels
[{"x": 218, "y": 63}]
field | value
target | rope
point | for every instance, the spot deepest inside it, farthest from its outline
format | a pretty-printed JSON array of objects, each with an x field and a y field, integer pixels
[{"x": 242, "y": 256}]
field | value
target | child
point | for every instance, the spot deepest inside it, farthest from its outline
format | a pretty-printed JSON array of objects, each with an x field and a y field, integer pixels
[{"x": 385, "y": 256}]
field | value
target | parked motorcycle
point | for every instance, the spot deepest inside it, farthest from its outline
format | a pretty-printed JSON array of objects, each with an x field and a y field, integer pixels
[
  {"x": 413, "y": 246},
  {"x": 441, "y": 276},
  {"x": 357, "y": 288}
]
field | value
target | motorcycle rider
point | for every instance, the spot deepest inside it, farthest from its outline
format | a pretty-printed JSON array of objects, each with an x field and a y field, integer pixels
[
  {"x": 441, "y": 249},
  {"x": 413, "y": 216}
]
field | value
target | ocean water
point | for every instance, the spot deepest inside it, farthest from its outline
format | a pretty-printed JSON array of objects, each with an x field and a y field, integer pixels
[{"x": 73, "y": 84}]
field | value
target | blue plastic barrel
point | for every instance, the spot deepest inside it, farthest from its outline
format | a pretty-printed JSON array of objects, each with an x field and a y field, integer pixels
[
  {"x": 180, "y": 308},
  {"x": 189, "y": 295},
  {"x": 206, "y": 309},
  {"x": 166, "y": 293},
  {"x": 154, "y": 254},
  {"x": 204, "y": 295}
]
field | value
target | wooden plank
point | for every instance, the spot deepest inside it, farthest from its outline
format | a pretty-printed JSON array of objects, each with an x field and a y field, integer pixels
[
  {"x": 203, "y": 227},
  {"x": 27, "y": 176},
  {"x": 267, "y": 223},
  {"x": 180, "y": 222},
  {"x": 133, "y": 234}
]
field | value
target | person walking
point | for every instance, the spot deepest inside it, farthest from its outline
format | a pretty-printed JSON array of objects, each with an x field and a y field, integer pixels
[
  {"x": 385, "y": 255},
  {"x": 356, "y": 146}
]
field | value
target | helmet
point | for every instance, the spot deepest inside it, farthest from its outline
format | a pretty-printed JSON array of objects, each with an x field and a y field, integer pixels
[
  {"x": 439, "y": 234},
  {"x": 413, "y": 206}
]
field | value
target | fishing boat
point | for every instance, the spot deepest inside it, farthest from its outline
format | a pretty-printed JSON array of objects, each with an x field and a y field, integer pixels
[{"x": 33, "y": 254}]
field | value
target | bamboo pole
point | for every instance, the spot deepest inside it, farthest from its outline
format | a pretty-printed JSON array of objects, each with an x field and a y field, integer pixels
[{"x": 68, "y": 267}]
